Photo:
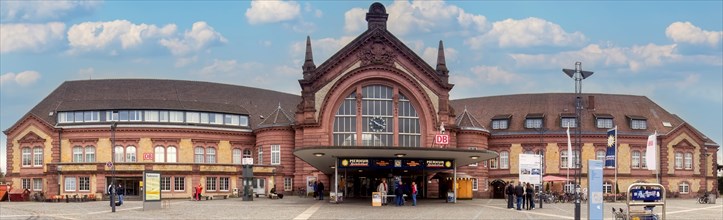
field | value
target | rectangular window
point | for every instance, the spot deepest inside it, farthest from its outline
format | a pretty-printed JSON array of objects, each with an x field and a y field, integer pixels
[
  {"x": 533, "y": 123},
  {"x": 678, "y": 160},
  {"x": 63, "y": 117},
  {"x": 91, "y": 116},
  {"x": 163, "y": 116},
  {"x": 604, "y": 123},
  {"x": 198, "y": 155},
  {"x": 688, "y": 161},
  {"x": 175, "y": 116},
  {"x": 37, "y": 157},
  {"x": 27, "y": 155},
  {"x": 244, "y": 120},
  {"x": 210, "y": 183},
  {"x": 84, "y": 183},
  {"x": 607, "y": 187},
  {"x": 275, "y": 154},
  {"x": 215, "y": 118},
  {"x": 499, "y": 124},
  {"x": 288, "y": 184},
  {"x": 111, "y": 116},
  {"x": 475, "y": 184},
  {"x": 135, "y": 115},
  {"x": 493, "y": 163},
  {"x": 223, "y": 183},
  {"x": 193, "y": 117},
  {"x": 78, "y": 154},
  {"x": 37, "y": 184},
  {"x": 123, "y": 115},
  {"x": 636, "y": 159},
  {"x": 504, "y": 160},
  {"x": 78, "y": 116},
  {"x": 151, "y": 116},
  {"x": 684, "y": 188},
  {"x": 638, "y": 124},
  {"x": 231, "y": 120},
  {"x": 261, "y": 155},
  {"x": 165, "y": 183},
  {"x": 204, "y": 118},
  {"x": 70, "y": 184},
  {"x": 179, "y": 183},
  {"x": 568, "y": 122},
  {"x": 26, "y": 183}
]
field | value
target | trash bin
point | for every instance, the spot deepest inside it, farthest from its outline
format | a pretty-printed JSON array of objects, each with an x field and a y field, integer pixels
[
  {"x": 450, "y": 196},
  {"x": 711, "y": 198}
]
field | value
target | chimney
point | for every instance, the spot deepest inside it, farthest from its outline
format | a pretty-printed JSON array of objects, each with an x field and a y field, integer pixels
[{"x": 591, "y": 102}]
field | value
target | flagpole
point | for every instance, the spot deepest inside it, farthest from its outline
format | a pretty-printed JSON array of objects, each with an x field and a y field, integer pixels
[
  {"x": 615, "y": 198},
  {"x": 657, "y": 161}
]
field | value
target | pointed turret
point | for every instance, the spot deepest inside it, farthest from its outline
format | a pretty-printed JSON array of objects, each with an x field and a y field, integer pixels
[
  {"x": 467, "y": 121},
  {"x": 441, "y": 63},
  {"x": 277, "y": 118},
  {"x": 309, "y": 65}
]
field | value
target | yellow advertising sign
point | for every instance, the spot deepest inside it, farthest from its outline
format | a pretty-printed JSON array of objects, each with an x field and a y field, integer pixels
[{"x": 153, "y": 186}]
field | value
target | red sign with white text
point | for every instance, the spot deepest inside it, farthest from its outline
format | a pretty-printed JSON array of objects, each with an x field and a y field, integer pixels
[
  {"x": 442, "y": 139},
  {"x": 147, "y": 156}
]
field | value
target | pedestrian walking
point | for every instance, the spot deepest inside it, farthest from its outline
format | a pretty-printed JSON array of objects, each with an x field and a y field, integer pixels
[
  {"x": 321, "y": 190},
  {"x": 414, "y": 194},
  {"x": 198, "y": 188},
  {"x": 399, "y": 194},
  {"x": 120, "y": 192}
]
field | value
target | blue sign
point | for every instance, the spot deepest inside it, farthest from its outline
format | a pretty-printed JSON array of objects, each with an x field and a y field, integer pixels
[
  {"x": 594, "y": 189},
  {"x": 610, "y": 151},
  {"x": 645, "y": 194}
]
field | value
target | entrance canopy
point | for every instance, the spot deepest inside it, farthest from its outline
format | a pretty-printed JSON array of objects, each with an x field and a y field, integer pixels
[{"x": 324, "y": 158}]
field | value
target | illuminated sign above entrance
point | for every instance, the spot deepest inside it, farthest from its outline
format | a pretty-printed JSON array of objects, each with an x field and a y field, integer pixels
[{"x": 394, "y": 163}]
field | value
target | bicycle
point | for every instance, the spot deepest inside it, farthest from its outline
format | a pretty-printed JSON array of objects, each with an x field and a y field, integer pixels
[
  {"x": 301, "y": 192},
  {"x": 703, "y": 199}
]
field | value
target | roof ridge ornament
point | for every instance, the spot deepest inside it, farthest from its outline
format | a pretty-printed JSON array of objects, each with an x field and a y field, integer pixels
[
  {"x": 442, "y": 63},
  {"x": 377, "y": 16}
]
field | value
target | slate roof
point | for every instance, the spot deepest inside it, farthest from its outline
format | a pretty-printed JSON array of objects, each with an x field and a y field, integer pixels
[
  {"x": 467, "y": 121},
  {"x": 110, "y": 94},
  {"x": 277, "y": 118}
]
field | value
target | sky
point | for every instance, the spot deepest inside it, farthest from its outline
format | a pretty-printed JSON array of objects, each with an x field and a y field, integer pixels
[{"x": 669, "y": 51}]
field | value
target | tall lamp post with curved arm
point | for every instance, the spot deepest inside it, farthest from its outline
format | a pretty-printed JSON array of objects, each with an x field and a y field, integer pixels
[{"x": 578, "y": 75}]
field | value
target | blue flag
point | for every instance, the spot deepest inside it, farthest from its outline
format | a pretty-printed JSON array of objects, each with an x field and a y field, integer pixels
[{"x": 611, "y": 148}]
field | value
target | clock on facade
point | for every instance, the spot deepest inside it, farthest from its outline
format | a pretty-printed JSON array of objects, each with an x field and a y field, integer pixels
[{"x": 377, "y": 124}]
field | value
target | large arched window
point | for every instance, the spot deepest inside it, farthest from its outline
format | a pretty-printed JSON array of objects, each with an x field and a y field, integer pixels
[
  {"x": 171, "y": 154},
  {"x": 236, "y": 156},
  {"x": 160, "y": 154},
  {"x": 379, "y": 123}
]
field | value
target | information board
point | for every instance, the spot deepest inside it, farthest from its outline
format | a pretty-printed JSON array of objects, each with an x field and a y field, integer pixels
[{"x": 594, "y": 188}]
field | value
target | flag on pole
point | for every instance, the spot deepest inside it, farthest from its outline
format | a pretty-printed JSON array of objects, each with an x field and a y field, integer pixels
[
  {"x": 611, "y": 148},
  {"x": 650, "y": 154},
  {"x": 569, "y": 149}
]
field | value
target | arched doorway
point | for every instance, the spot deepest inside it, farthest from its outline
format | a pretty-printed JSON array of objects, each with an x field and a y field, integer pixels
[{"x": 498, "y": 188}]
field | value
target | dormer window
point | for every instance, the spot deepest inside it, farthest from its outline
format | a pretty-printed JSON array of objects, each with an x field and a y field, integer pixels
[
  {"x": 568, "y": 120},
  {"x": 501, "y": 122},
  {"x": 638, "y": 122},
  {"x": 603, "y": 121},
  {"x": 534, "y": 120}
]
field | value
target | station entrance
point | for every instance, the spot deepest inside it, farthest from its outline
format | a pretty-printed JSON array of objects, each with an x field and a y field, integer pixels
[{"x": 360, "y": 183}]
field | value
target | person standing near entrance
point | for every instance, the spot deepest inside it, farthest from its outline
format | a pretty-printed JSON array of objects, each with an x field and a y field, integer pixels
[
  {"x": 321, "y": 190},
  {"x": 382, "y": 189},
  {"x": 414, "y": 194},
  {"x": 529, "y": 192},
  {"x": 111, "y": 191},
  {"x": 199, "y": 188},
  {"x": 519, "y": 192},
  {"x": 510, "y": 191},
  {"x": 121, "y": 192},
  {"x": 399, "y": 193}
]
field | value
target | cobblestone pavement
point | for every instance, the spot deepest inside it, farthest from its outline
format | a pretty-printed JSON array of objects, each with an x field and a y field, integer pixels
[{"x": 292, "y": 207}]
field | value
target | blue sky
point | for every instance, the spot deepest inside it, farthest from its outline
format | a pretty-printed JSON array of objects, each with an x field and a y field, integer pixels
[{"x": 669, "y": 51}]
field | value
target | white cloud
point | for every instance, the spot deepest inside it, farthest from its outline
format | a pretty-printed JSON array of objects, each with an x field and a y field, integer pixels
[
  {"x": 184, "y": 61},
  {"x": 24, "y": 78},
  {"x": 34, "y": 11},
  {"x": 268, "y": 11},
  {"x": 33, "y": 37},
  {"x": 686, "y": 32},
  {"x": 430, "y": 55},
  {"x": 354, "y": 20},
  {"x": 322, "y": 48},
  {"x": 527, "y": 32},
  {"x": 92, "y": 36},
  {"x": 478, "y": 22},
  {"x": 494, "y": 75},
  {"x": 635, "y": 58},
  {"x": 230, "y": 67},
  {"x": 198, "y": 38}
]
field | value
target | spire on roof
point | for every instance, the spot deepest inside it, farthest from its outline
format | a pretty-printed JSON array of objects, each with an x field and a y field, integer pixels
[
  {"x": 309, "y": 65},
  {"x": 441, "y": 63},
  {"x": 467, "y": 121},
  {"x": 278, "y": 117}
]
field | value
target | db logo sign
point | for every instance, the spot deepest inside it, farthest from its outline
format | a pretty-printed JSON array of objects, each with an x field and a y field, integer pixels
[
  {"x": 442, "y": 139},
  {"x": 147, "y": 156}
]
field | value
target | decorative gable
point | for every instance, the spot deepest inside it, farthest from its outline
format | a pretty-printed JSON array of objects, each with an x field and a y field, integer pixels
[{"x": 31, "y": 138}]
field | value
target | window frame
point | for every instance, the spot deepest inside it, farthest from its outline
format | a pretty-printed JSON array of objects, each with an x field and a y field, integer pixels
[
  {"x": 288, "y": 184},
  {"x": 236, "y": 156},
  {"x": 275, "y": 154},
  {"x": 475, "y": 184},
  {"x": 635, "y": 159},
  {"x": 566, "y": 120},
  {"x": 678, "y": 160},
  {"x": 26, "y": 157},
  {"x": 683, "y": 187},
  {"x": 211, "y": 184},
  {"x": 497, "y": 124},
  {"x": 35, "y": 184},
  {"x": 68, "y": 183},
  {"x": 38, "y": 156},
  {"x": 224, "y": 184},
  {"x": 179, "y": 184},
  {"x": 688, "y": 161},
  {"x": 534, "y": 122},
  {"x": 166, "y": 181},
  {"x": 504, "y": 160}
]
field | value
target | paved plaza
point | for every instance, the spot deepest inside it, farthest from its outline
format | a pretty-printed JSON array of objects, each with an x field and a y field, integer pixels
[{"x": 292, "y": 207}]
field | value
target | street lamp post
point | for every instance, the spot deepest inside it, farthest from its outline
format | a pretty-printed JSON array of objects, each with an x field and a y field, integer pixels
[
  {"x": 112, "y": 158},
  {"x": 542, "y": 131},
  {"x": 578, "y": 75}
]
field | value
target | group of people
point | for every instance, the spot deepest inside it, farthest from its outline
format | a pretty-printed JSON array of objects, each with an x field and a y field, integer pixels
[
  {"x": 116, "y": 190},
  {"x": 523, "y": 192},
  {"x": 383, "y": 188},
  {"x": 318, "y": 190}
]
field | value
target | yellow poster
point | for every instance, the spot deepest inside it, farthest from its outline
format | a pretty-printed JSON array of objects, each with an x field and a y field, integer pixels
[{"x": 153, "y": 186}]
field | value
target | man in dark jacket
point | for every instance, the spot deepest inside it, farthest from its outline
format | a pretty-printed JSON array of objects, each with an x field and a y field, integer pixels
[
  {"x": 519, "y": 192},
  {"x": 321, "y": 190},
  {"x": 510, "y": 191}
]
